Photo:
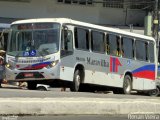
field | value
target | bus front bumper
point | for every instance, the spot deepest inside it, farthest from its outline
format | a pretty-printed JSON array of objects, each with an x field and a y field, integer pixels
[{"x": 27, "y": 75}]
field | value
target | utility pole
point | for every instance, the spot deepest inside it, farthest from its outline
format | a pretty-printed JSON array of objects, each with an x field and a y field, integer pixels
[
  {"x": 156, "y": 21},
  {"x": 155, "y": 31}
]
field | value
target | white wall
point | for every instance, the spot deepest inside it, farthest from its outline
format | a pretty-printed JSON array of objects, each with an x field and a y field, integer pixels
[
  {"x": 136, "y": 17},
  {"x": 78, "y": 12},
  {"x": 112, "y": 16},
  {"x": 50, "y": 8},
  {"x": 36, "y": 8}
]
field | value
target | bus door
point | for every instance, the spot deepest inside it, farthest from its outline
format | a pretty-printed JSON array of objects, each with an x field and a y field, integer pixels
[
  {"x": 67, "y": 65},
  {"x": 4, "y": 39}
]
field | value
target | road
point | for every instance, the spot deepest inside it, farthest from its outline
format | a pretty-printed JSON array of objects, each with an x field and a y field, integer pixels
[
  {"x": 9, "y": 92},
  {"x": 68, "y": 117},
  {"x": 85, "y": 117}
]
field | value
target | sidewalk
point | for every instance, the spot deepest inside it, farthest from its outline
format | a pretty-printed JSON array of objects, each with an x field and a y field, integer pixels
[
  {"x": 59, "y": 106},
  {"x": 76, "y": 105}
]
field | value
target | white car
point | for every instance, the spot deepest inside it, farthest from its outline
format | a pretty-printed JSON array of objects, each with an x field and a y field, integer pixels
[{"x": 43, "y": 87}]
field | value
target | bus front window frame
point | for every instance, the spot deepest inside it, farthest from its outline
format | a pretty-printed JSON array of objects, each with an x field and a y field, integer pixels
[{"x": 54, "y": 30}]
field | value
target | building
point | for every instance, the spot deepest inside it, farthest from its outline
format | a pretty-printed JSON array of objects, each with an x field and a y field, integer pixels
[{"x": 104, "y": 12}]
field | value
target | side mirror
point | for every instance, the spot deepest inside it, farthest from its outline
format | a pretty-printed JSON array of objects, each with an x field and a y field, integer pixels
[
  {"x": 2, "y": 52},
  {"x": 65, "y": 27}
]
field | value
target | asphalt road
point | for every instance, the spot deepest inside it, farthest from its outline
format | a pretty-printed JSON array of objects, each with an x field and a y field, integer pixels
[
  {"x": 9, "y": 92},
  {"x": 68, "y": 117},
  {"x": 85, "y": 117}
]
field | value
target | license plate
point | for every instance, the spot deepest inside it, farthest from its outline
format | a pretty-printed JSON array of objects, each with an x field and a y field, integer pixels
[{"x": 28, "y": 74}]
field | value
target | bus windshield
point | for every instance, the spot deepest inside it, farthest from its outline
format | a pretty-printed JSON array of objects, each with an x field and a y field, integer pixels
[{"x": 34, "y": 39}]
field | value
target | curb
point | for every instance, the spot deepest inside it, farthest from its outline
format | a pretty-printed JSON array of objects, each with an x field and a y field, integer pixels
[{"x": 85, "y": 106}]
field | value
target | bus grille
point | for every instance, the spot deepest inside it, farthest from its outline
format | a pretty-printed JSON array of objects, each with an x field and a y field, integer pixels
[{"x": 35, "y": 75}]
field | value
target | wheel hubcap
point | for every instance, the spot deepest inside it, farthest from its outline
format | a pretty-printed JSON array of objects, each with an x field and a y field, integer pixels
[
  {"x": 77, "y": 81},
  {"x": 154, "y": 92},
  {"x": 127, "y": 86}
]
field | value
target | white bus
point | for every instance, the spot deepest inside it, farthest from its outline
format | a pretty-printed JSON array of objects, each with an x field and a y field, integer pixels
[
  {"x": 4, "y": 30},
  {"x": 61, "y": 49}
]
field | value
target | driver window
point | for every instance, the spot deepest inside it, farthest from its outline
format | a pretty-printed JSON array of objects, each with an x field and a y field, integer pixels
[
  {"x": 68, "y": 40},
  {"x": 66, "y": 43}
]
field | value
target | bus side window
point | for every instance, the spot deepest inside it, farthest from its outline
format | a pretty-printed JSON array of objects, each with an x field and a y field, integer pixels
[
  {"x": 127, "y": 47},
  {"x": 68, "y": 40},
  {"x": 66, "y": 43},
  {"x": 146, "y": 48},
  {"x": 97, "y": 41},
  {"x": 151, "y": 52},
  {"x": 81, "y": 38},
  {"x": 119, "y": 51},
  {"x": 107, "y": 45},
  {"x": 114, "y": 44},
  {"x": 141, "y": 46}
]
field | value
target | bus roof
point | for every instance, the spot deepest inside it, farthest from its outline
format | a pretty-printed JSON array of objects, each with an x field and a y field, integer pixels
[
  {"x": 70, "y": 21},
  {"x": 4, "y": 26}
]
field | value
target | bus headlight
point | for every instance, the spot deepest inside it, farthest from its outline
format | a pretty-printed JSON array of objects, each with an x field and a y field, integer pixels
[
  {"x": 52, "y": 64},
  {"x": 9, "y": 66}
]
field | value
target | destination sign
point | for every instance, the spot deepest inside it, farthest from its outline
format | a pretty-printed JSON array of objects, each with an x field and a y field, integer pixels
[{"x": 35, "y": 26}]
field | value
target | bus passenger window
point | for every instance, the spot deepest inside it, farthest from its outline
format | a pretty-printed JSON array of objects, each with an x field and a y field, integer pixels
[
  {"x": 159, "y": 53},
  {"x": 97, "y": 41},
  {"x": 127, "y": 47},
  {"x": 141, "y": 50},
  {"x": 114, "y": 46},
  {"x": 107, "y": 48},
  {"x": 151, "y": 52},
  {"x": 81, "y": 38}
]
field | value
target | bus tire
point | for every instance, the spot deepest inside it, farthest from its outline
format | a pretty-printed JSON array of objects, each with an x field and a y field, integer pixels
[
  {"x": 117, "y": 91},
  {"x": 42, "y": 88},
  {"x": 76, "y": 81},
  {"x": 127, "y": 84},
  {"x": 154, "y": 92},
  {"x": 31, "y": 85}
]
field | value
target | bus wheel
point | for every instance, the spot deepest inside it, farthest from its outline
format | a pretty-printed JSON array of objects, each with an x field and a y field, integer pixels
[
  {"x": 127, "y": 85},
  {"x": 154, "y": 92},
  {"x": 31, "y": 85},
  {"x": 42, "y": 88},
  {"x": 118, "y": 91},
  {"x": 76, "y": 81}
]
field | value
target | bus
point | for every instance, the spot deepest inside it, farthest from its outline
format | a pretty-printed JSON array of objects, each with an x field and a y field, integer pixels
[
  {"x": 4, "y": 30},
  {"x": 79, "y": 53}
]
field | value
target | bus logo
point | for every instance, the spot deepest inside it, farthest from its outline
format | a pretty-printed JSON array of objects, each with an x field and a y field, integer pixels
[
  {"x": 114, "y": 64},
  {"x": 29, "y": 53},
  {"x": 32, "y": 52},
  {"x": 26, "y": 53}
]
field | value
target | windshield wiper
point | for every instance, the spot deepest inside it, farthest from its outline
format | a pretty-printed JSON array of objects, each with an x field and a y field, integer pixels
[
  {"x": 43, "y": 52},
  {"x": 16, "y": 57}
]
